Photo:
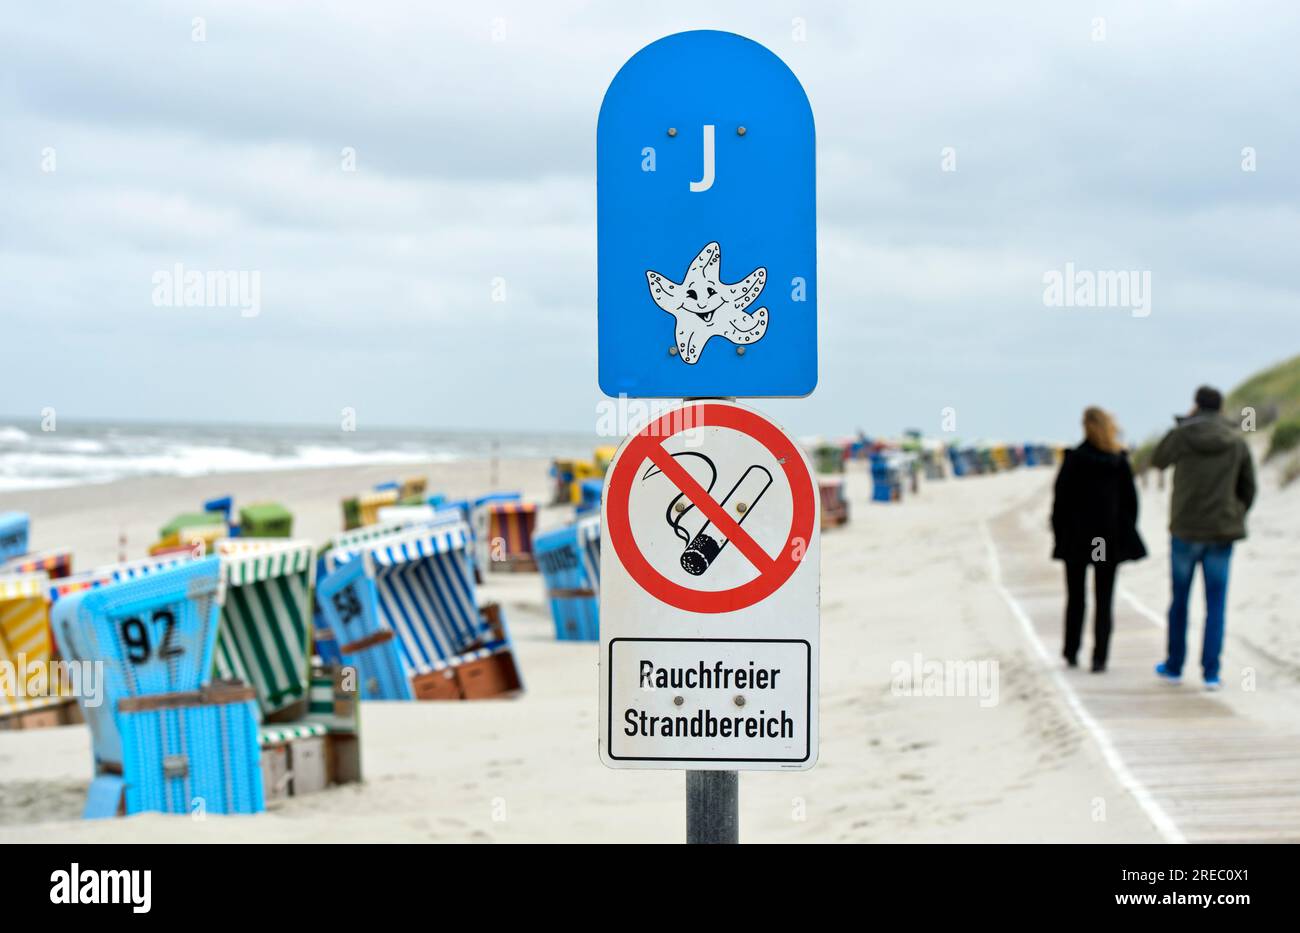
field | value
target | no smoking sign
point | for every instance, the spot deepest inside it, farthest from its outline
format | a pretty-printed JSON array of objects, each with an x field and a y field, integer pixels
[{"x": 710, "y": 595}]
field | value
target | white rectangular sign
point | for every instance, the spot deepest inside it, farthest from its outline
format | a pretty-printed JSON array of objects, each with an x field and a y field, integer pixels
[
  {"x": 709, "y": 596},
  {"x": 717, "y": 701}
]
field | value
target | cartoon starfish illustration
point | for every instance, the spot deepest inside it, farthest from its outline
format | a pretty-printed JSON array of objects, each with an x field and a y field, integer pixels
[{"x": 706, "y": 307}]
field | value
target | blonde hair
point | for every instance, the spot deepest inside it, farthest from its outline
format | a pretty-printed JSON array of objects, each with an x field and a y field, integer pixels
[{"x": 1100, "y": 430}]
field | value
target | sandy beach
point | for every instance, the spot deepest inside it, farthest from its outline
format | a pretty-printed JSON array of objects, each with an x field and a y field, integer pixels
[{"x": 901, "y": 585}]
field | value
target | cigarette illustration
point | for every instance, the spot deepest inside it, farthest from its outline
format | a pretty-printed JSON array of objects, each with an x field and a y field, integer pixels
[
  {"x": 705, "y": 541},
  {"x": 709, "y": 541},
  {"x": 702, "y": 538},
  {"x": 683, "y": 518}
]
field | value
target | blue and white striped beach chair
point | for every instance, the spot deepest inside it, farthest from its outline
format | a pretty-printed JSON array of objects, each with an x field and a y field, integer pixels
[
  {"x": 350, "y": 610},
  {"x": 326, "y": 642},
  {"x": 264, "y": 639},
  {"x": 569, "y": 559},
  {"x": 423, "y": 592}
]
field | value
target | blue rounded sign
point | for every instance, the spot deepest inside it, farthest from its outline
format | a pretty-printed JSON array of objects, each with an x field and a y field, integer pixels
[{"x": 706, "y": 223}]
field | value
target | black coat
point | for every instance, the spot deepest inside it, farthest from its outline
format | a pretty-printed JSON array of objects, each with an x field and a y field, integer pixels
[{"x": 1095, "y": 498}]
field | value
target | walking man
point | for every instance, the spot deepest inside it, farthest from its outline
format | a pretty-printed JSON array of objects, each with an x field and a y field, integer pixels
[{"x": 1214, "y": 486}]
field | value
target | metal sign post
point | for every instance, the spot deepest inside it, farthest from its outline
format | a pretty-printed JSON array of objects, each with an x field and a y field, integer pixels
[{"x": 712, "y": 807}]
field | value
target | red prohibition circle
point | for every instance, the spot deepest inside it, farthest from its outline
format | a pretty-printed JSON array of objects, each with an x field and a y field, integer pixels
[{"x": 778, "y": 569}]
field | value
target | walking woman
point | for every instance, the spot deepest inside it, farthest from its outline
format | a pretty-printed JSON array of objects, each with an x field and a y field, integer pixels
[{"x": 1094, "y": 519}]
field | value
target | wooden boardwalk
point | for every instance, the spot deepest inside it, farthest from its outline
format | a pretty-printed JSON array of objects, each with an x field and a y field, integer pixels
[{"x": 1200, "y": 764}]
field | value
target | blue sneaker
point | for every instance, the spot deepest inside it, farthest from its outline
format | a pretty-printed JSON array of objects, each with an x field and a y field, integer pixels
[
  {"x": 1167, "y": 675},
  {"x": 1213, "y": 683}
]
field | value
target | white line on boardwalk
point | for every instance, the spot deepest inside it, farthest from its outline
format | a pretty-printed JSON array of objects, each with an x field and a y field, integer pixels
[
  {"x": 1155, "y": 813},
  {"x": 1142, "y": 608}
]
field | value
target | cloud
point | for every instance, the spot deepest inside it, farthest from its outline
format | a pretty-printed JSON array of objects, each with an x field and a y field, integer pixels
[{"x": 473, "y": 137}]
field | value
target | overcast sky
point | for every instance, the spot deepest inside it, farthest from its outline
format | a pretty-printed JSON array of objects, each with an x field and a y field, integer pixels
[{"x": 474, "y": 125}]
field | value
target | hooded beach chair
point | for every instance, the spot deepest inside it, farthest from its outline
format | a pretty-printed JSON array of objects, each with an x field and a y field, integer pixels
[
  {"x": 308, "y": 740},
  {"x": 31, "y": 692},
  {"x": 582, "y": 470},
  {"x": 190, "y": 520},
  {"x": 349, "y": 609},
  {"x": 369, "y": 504},
  {"x": 828, "y": 458},
  {"x": 561, "y": 474},
  {"x": 55, "y": 563},
  {"x": 423, "y": 592},
  {"x": 504, "y": 533},
  {"x": 14, "y": 527},
  {"x": 264, "y": 638},
  {"x": 882, "y": 483},
  {"x": 957, "y": 460},
  {"x": 593, "y": 491},
  {"x": 835, "y": 505},
  {"x": 223, "y": 506},
  {"x": 351, "y": 513},
  {"x": 155, "y": 633},
  {"x": 603, "y": 456},
  {"x": 116, "y": 573},
  {"x": 265, "y": 520},
  {"x": 163, "y": 735},
  {"x": 568, "y": 558},
  {"x": 200, "y": 539},
  {"x": 402, "y": 518},
  {"x": 412, "y": 489}
]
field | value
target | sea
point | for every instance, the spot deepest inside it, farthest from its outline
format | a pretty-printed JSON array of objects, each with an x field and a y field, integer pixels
[{"x": 78, "y": 453}]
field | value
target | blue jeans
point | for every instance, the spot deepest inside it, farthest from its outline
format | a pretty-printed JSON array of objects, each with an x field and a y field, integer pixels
[{"x": 1214, "y": 559}]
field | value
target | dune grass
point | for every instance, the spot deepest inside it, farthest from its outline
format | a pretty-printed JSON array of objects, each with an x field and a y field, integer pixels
[
  {"x": 1273, "y": 393},
  {"x": 1286, "y": 436}
]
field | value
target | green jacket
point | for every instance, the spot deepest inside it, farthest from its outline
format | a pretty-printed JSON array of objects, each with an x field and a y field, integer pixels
[{"x": 1214, "y": 479}]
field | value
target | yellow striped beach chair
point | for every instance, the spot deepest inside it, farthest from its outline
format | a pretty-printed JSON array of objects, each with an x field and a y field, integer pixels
[
  {"x": 26, "y": 649},
  {"x": 369, "y": 504}
]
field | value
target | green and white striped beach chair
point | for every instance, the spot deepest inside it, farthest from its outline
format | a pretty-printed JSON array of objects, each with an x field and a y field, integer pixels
[{"x": 265, "y": 637}]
